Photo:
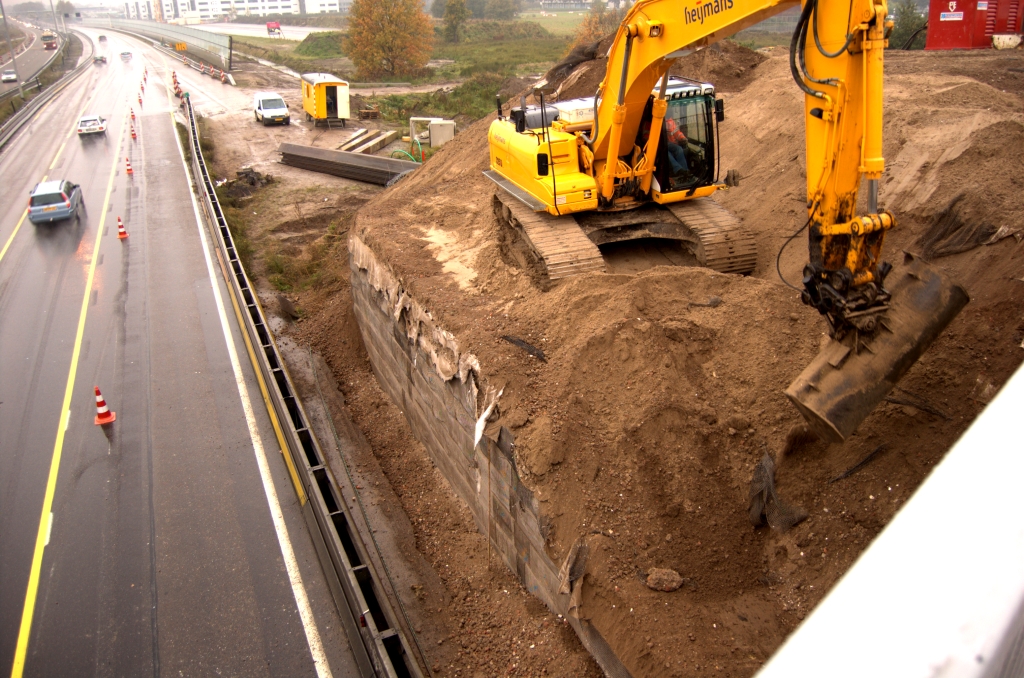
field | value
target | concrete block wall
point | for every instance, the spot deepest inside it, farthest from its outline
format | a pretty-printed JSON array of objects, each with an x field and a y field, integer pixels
[{"x": 440, "y": 391}]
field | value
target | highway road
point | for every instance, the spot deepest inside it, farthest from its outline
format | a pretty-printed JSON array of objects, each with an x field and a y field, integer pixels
[
  {"x": 27, "y": 62},
  {"x": 170, "y": 542}
]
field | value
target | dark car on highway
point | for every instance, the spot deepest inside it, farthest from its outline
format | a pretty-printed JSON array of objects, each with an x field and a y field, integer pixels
[{"x": 53, "y": 201}]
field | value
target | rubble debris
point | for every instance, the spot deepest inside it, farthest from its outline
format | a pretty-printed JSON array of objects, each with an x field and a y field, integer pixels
[
  {"x": 765, "y": 502},
  {"x": 662, "y": 579}
]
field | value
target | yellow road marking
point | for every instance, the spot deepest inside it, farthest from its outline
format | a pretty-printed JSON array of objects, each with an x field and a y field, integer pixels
[
  {"x": 59, "y": 151},
  {"x": 21, "y": 649},
  {"x": 13, "y": 233},
  {"x": 274, "y": 421}
]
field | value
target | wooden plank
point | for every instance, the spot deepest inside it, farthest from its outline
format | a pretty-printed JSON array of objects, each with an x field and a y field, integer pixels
[
  {"x": 352, "y": 140},
  {"x": 376, "y": 144}
]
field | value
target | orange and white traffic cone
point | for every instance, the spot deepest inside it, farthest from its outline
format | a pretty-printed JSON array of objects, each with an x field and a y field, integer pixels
[
  {"x": 133, "y": 132},
  {"x": 142, "y": 88},
  {"x": 103, "y": 413},
  {"x": 132, "y": 110},
  {"x": 140, "y": 99},
  {"x": 121, "y": 233},
  {"x": 128, "y": 166},
  {"x": 223, "y": 77}
]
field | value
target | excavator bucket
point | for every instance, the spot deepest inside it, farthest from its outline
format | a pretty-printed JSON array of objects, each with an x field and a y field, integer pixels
[{"x": 848, "y": 378}]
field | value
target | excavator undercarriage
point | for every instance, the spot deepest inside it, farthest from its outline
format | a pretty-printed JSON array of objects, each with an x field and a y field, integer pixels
[{"x": 552, "y": 247}]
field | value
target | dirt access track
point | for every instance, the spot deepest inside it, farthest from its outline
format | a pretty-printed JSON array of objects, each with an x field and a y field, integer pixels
[{"x": 640, "y": 430}]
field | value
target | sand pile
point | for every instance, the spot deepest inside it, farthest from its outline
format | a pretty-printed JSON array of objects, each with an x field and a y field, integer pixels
[{"x": 661, "y": 391}]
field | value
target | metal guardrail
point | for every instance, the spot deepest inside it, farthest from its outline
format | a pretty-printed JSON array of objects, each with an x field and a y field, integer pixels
[
  {"x": 18, "y": 120},
  {"x": 377, "y": 641}
]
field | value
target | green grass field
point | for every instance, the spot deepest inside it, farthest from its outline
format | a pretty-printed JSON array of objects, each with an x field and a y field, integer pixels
[{"x": 557, "y": 23}]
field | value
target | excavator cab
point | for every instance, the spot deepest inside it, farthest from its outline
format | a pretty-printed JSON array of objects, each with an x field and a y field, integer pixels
[{"x": 686, "y": 151}]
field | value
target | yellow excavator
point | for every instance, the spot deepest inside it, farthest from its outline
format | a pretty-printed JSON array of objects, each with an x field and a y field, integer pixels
[{"x": 641, "y": 163}]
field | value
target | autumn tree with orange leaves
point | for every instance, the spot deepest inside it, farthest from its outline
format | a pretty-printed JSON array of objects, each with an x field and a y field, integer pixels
[{"x": 389, "y": 38}]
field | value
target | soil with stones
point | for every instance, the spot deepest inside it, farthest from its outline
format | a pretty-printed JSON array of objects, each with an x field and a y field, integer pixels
[{"x": 645, "y": 424}]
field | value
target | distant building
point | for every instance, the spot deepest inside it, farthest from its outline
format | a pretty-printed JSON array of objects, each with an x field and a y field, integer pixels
[{"x": 208, "y": 10}]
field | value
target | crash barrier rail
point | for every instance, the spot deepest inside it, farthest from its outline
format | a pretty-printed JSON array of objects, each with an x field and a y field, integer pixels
[
  {"x": 11, "y": 93},
  {"x": 217, "y": 46},
  {"x": 372, "y": 169},
  {"x": 18, "y": 120},
  {"x": 940, "y": 592},
  {"x": 380, "y": 647}
]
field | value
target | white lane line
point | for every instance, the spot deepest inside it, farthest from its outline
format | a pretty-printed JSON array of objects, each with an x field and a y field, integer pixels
[
  {"x": 67, "y": 419},
  {"x": 316, "y": 648},
  {"x": 49, "y": 529}
]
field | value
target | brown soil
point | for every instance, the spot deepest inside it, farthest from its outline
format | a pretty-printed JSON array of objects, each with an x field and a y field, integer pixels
[
  {"x": 730, "y": 66},
  {"x": 646, "y": 421}
]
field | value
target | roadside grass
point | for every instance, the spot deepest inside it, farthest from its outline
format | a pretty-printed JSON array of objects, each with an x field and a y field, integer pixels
[
  {"x": 507, "y": 57},
  {"x": 556, "y": 23},
  {"x": 239, "y": 224},
  {"x": 73, "y": 49},
  {"x": 488, "y": 47},
  {"x": 322, "y": 45},
  {"x": 473, "y": 99},
  {"x": 758, "y": 39},
  {"x": 284, "y": 53}
]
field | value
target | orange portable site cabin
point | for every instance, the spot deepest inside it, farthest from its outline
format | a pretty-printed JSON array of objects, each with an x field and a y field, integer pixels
[
  {"x": 325, "y": 98},
  {"x": 974, "y": 24}
]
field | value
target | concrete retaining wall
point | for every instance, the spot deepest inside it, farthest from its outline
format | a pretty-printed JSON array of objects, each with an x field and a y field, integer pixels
[{"x": 438, "y": 388}]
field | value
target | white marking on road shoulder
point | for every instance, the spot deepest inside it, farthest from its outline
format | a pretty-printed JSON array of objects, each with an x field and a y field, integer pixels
[
  {"x": 49, "y": 529},
  {"x": 67, "y": 419},
  {"x": 316, "y": 648}
]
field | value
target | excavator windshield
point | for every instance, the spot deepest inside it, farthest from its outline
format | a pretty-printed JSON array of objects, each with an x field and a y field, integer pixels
[{"x": 689, "y": 155}]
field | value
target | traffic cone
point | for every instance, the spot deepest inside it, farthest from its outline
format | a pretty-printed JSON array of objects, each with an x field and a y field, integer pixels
[
  {"x": 103, "y": 413},
  {"x": 121, "y": 233},
  {"x": 132, "y": 110},
  {"x": 140, "y": 99},
  {"x": 128, "y": 166},
  {"x": 142, "y": 88},
  {"x": 223, "y": 77},
  {"x": 133, "y": 133}
]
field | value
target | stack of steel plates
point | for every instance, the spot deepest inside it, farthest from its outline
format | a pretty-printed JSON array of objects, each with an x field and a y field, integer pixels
[{"x": 369, "y": 168}]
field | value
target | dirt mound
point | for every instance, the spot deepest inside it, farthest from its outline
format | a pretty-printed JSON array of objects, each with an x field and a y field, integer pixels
[
  {"x": 728, "y": 65},
  {"x": 644, "y": 426}
]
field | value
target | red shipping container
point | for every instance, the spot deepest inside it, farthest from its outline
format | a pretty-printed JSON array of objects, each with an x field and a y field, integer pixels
[{"x": 970, "y": 24}]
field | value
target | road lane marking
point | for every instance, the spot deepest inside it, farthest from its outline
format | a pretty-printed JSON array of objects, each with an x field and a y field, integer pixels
[
  {"x": 49, "y": 528},
  {"x": 13, "y": 233},
  {"x": 316, "y": 648},
  {"x": 56, "y": 157},
  {"x": 21, "y": 649}
]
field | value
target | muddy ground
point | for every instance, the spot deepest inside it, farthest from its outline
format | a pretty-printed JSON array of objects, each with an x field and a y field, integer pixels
[{"x": 647, "y": 419}]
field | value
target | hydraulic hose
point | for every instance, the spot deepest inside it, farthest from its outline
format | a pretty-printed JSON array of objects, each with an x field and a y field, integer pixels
[
  {"x": 817, "y": 42},
  {"x": 799, "y": 33}
]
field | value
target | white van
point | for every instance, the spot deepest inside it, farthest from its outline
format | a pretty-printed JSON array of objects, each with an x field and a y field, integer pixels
[{"x": 269, "y": 107}]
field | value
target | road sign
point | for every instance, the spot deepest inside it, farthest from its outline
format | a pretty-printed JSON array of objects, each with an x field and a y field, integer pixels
[{"x": 180, "y": 46}]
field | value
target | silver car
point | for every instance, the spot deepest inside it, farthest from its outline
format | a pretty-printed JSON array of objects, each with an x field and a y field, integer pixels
[
  {"x": 92, "y": 124},
  {"x": 9, "y": 76},
  {"x": 53, "y": 201}
]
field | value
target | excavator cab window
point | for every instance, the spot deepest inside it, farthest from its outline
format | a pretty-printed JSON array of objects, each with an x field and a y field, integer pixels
[{"x": 689, "y": 140}]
